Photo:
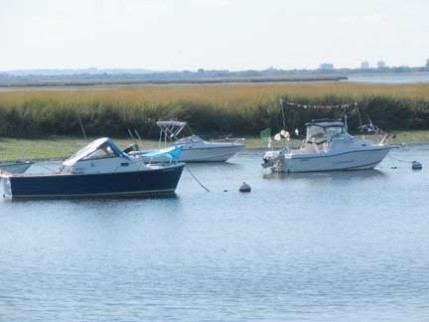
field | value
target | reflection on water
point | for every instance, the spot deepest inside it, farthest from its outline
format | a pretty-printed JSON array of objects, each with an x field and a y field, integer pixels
[
  {"x": 109, "y": 200},
  {"x": 337, "y": 246}
]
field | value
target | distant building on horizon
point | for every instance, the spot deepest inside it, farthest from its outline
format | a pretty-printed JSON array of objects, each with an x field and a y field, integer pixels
[
  {"x": 427, "y": 63},
  {"x": 381, "y": 64},
  {"x": 364, "y": 65},
  {"x": 326, "y": 66}
]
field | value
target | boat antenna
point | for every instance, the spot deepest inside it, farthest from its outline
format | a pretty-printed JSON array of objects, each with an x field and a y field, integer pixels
[
  {"x": 160, "y": 139},
  {"x": 345, "y": 117},
  {"x": 283, "y": 113},
  {"x": 138, "y": 136},
  {"x": 132, "y": 136},
  {"x": 359, "y": 116},
  {"x": 81, "y": 126}
]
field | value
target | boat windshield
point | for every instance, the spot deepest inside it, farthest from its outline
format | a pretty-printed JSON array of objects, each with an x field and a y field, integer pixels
[
  {"x": 321, "y": 134},
  {"x": 104, "y": 151},
  {"x": 333, "y": 131},
  {"x": 101, "y": 148},
  {"x": 316, "y": 134},
  {"x": 189, "y": 139}
]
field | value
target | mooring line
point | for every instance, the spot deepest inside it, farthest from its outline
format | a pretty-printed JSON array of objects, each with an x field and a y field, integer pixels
[
  {"x": 196, "y": 179},
  {"x": 399, "y": 160}
]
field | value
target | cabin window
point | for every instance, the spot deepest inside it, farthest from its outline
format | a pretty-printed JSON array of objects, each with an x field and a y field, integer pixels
[
  {"x": 316, "y": 134},
  {"x": 332, "y": 131},
  {"x": 338, "y": 133}
]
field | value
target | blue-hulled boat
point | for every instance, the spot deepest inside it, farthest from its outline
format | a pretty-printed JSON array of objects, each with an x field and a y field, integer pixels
[{"x": 99, "y": 169}]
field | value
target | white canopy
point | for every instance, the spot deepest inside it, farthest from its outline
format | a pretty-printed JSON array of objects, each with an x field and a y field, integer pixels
[
  {"x": 92, "y": 148},
  {"x": 174, "y": 130}
]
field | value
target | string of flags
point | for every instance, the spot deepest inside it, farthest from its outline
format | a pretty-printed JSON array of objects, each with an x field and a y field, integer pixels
[
  {"x": 363, "y": 128},
  {"x": 308, "y": 106}
]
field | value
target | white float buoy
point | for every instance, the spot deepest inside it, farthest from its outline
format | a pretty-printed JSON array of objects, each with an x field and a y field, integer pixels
[
  {"x": 245, "y": 187},
  {"x": 415, "y": 165}
]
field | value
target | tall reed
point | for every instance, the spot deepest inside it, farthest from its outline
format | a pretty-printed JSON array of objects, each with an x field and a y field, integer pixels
[{"x": 239, "y": 109}]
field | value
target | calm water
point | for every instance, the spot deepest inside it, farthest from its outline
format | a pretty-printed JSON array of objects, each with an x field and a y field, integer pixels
[
  {"x": 390, "y": 78},
  {"x": 393, "y": 78},
  {"x": 309, "y": 247}
]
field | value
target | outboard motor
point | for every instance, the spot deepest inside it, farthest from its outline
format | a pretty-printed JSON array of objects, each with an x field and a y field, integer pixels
[{"x": 132, "y": 147}]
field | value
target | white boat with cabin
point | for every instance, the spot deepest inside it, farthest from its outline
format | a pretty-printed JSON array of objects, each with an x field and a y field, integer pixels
[{"x": 327, "y": 147}]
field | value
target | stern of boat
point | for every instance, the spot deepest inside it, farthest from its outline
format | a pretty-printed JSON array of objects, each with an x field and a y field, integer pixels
[
  {"x": 274, "y": 160},
  {"x": 5, "y": 186}
]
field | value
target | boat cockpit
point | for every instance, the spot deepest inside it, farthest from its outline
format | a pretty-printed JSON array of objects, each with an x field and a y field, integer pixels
[
  {"x": 322, "y": 134},
  {"x": 101, "y": 155}
]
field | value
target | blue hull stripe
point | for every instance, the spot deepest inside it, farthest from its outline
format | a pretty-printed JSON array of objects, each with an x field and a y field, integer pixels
[
  {"x": 297, "y": 156},
  {"x": 359, "y": 167},
  {"x": 211, "y": 148}
]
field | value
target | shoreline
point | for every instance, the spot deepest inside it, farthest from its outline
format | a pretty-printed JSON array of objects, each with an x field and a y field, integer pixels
[
  {"x": 41, "y": 85},
  {"x": 61, "y": 147}
]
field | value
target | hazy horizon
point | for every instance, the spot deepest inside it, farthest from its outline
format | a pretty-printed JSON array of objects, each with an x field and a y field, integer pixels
[{"x": 168, "y": 35}]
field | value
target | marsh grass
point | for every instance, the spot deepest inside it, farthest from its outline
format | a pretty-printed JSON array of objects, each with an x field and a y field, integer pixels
[{"x": 211, "y": 109}]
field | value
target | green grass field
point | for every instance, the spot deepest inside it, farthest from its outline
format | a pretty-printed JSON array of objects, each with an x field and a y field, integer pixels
[{"x": 63, "y": 147}]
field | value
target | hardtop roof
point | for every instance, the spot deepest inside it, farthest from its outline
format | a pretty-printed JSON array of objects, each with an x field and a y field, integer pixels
[
  {"x": 325, "y": 123},
  {"x": 171, "y": 123}
]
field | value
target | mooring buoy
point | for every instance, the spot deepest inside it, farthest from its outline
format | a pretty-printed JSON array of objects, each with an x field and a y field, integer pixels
[
  {"x": 245, "y": 187},
  {"x": 415, "y": 165}
]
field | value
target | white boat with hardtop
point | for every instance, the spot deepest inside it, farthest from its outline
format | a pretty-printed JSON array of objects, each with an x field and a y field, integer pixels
[{"x": 327, "y": 147}]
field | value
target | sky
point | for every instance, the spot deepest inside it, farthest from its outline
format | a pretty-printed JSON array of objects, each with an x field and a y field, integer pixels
[{"x": 211, "y": 34}]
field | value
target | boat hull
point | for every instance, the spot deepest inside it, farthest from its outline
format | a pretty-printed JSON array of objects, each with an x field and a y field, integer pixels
[
  {"x": 350, "y": 160},
  {"x": 217, "y": 154},
  {"x": 209, "y": 153},
  {"x": 149, "y": 182}
]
